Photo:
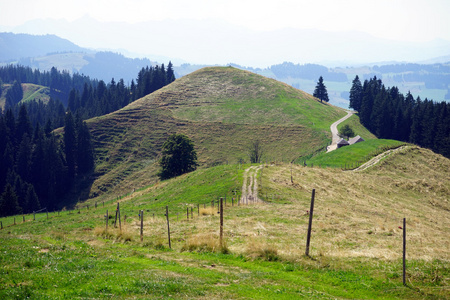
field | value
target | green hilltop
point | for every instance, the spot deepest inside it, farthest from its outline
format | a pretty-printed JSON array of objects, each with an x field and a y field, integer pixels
[{"x": 221, "y": 109}]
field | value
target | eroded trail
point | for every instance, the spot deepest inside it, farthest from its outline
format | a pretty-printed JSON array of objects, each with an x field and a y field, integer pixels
[
  {"x": 250, "y": 185},
  {"x": 378, "y": 158}
]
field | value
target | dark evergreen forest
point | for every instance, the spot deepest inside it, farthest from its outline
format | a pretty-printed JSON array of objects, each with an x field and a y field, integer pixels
[
  {"x": 38, "y": 168},
  {"x": 391, "y": 115}
]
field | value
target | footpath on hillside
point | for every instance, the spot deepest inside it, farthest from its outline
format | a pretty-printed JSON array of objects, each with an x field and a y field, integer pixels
[
  {"x": 378, "y": 158},
  {"x": 250, "y": 185},
  {"x": 334, "y": 131}
]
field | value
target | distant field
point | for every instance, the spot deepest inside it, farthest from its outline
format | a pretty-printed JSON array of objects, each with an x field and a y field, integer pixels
[{"x": 35, "y": 92}]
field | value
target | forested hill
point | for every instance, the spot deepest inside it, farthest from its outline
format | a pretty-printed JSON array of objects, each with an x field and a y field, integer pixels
[
  {"x": 37, "y": 168},
  {"x": 390, "y": 115}
]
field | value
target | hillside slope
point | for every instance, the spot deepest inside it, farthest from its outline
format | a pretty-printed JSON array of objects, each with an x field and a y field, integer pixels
[
  {"x": 30, "y": 92},
  {"x": 222, "y": 109},
  {"x": 356, "y": 242}
]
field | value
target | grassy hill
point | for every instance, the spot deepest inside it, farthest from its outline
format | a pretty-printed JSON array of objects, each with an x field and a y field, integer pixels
[
  {"x": 30, "y": 92},
  {"x": 222, "y": 109},
  {"x": 356, "y": 244}
]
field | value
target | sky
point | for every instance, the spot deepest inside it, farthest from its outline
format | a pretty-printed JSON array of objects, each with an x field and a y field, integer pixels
[
  {"x": 410, "y": 20},
  {"x": 396, "y": 20}
]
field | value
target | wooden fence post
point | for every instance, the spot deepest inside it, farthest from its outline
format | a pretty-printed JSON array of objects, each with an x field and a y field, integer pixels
[
  {"x": 221, "y": 223},
  {"x": 142, "y": 225},
  {"x": 34, "y": 216},
  {"x": 192, "y": 213},
  {"x": 404, "y": 251},
  {"x": 168, "y": 226},
  {"x": 23, "y": 217},
  {"x": 311, "y": 209},
  {"x": 120, "y": 223},
  {"x": 107, "y": 218},
  {"x": 198, "y": 209},
  {"x": 117, "y": 211},
  {"x": 187, "y": 213}
]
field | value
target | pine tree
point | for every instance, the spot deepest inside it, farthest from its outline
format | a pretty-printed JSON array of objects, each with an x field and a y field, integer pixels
[
  {"x": 23, "y": 123},
  {"x": 85, "y": 153},
  {"x": 170, "y": 75},
  {"x": 70, "y": 144},
  {"x": 356, "y": 94},
  {"x": 321, "y": 91},
  {"x": 14, "y": 95},
  {"x": 31, "y": 200},
  {"x": 9, "y": 204}
]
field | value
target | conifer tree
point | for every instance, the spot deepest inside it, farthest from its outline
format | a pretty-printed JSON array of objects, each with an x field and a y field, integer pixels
[
  {"x": 170, "y": 73},
  {"x": 321, "y": 91},
  {"x": 9, "y": 204},
  {"x": 356, "y": 94},
  {"x": 70, "y": 144}
]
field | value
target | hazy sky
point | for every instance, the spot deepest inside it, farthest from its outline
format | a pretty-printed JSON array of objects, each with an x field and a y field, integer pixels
[{"x": 407, "y": 20}]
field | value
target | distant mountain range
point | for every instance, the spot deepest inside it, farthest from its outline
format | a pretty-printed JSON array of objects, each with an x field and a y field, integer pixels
[
  {"x": 43, "y": 52},
  {"x": 16, "y": 46}
]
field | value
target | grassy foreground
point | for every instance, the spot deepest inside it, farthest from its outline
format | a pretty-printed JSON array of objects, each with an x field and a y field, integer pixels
[{"x": 356, "y": 242}]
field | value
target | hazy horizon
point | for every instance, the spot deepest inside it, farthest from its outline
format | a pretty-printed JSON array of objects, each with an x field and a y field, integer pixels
[{"x": 249, "y": 33}]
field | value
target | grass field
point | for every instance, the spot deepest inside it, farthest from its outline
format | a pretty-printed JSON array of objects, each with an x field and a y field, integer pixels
[
  {"x": 355, "y": 248},
  {"x": 352, "y": 156}
]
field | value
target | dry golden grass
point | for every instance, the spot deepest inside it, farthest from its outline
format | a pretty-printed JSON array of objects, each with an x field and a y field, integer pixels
[
  {"x": 356, "y": 214},
  {"x": 115, "y": 234},
  {"x": 205, "y": 242},
  {"x": 208, "y": 211}
]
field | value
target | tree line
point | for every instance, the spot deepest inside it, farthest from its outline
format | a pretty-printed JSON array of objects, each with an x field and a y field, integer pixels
[
  {"x": 82, "y": 95},
  {"x": 38, "y": 168},
  {"x": 391, "y": 115}
]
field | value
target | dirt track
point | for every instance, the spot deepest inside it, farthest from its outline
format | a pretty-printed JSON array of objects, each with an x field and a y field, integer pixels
[
  {"x": 378, "y": 158},
  {"x": 250, "y": 185}
]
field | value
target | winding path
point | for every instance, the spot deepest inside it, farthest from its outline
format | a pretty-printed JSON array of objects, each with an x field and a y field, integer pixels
[{"x": 334, "y": 131}]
